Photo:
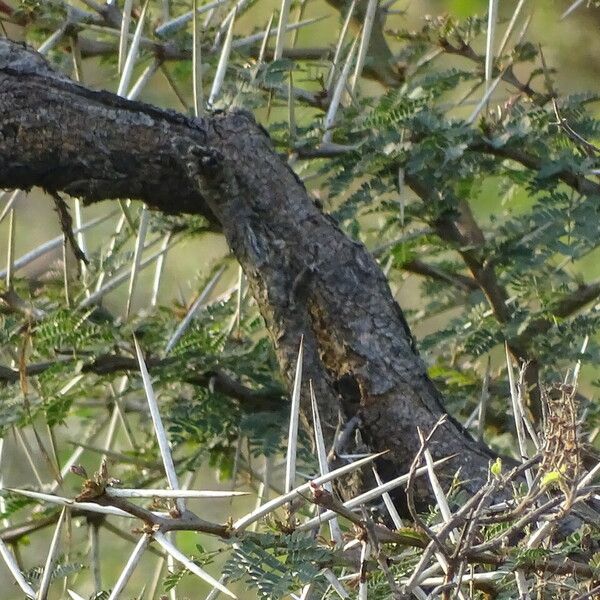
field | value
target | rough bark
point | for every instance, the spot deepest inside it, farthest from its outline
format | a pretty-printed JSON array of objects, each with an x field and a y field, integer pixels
[{"x": 308, "y": 278}]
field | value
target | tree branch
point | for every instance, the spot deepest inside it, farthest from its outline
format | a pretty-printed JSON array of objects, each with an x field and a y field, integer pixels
[
  {"x": 462, "y": 282},
  {"x": 562, "y": 308},
  {"x": 61, "y": 153},
  {"x": 464, "y": 233},
  {"x": 381, "y": 61},
  {"x": 468, "y": 239},
  {"x": 380, "y": 67},
  {"x": 508, "y": 75},
  {"x": 307, "y": 277},
  {"x": 578, "y": 182},
  {"x": 267, "y": 399}
]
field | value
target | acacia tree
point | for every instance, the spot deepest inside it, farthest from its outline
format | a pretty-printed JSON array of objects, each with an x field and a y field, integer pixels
[{"x": 409, "y": 156}]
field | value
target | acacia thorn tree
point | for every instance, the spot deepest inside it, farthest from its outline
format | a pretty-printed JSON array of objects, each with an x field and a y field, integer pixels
[{"x": 335, "y": 172}]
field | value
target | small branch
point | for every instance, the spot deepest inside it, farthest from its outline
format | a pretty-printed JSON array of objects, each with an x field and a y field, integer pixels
[
  {"x": 321, "y": 497},
  {"x": 466, "y": 51},
  {"x": 464, "y": 233},
  {"x": 215, "y": 379},
  {"x": 188, "y": 521},
  {"x": 462, "y": 282},
  {"x": 579, "y": 183},
  {"x": 589, "y": 148},
  {"x": 66, "y": 226},
  {"x": 565, "y": 307}
]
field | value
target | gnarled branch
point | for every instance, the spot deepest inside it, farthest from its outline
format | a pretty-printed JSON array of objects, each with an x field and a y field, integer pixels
[{"x": 307, "y": 277}]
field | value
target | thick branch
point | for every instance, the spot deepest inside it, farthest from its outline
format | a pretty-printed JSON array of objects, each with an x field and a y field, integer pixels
[
  {"x": 307, "y": 277},
  {"x": 90, "y": 144}
]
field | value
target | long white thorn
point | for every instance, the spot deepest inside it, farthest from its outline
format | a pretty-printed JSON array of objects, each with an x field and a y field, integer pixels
[
  {"x": 365, "y": 553},
  {"x": 52, "y": 41},
  {"x": 137, "y": 257},
  {"x": 223, "y": 62},
  {"x": 275, "y": 503},
  {"x": 517, "y": 414},
  {"x": 489, "y": 43},
  {"x": 290, "y": 464},
  {"x": 185, "y": 323},
  {"x": 130, "y": 566},
  {"x": 577, "y": 368},
  {"x": 60, "y": 501},
  {"x": 10, "y": 253},
  {"x": 197, "y": 64},
  {"x": 364, "y": 497},
  {"x": 49, "y": 565},
  {"x": 334, "y": 527},
  {"x": 180, "y": 22},
  {"x": 284, "y": 15},
  {"x": 511, "y": 26},
  {"x": 14, "y": 197},
  {"x": 264, "y": 36},
  {"x": 159, "y": 429},
  {"x": 158, "y": 271},
  {"x": 13, "y": 567},
  {"x": 336, "y": 98},
  {"x": 119, "y": 279},
  {"x": 389, "y": 504},
  {"x": 132, "y": 54},
  {"x": 143, "y": 80},
  {"x": 571, "y": 8},
  {"x": 335, "y": 583},
  {"x": 265, "y": 40},
  {"x": 488, "y": 93},
  {"x": 190, "y": 565},
  {"x": 340, "y": 45},
  {"x": 114, "y": 492},
  {"x": 125, "y": 21},
  {"x": 365, "y": 38}
]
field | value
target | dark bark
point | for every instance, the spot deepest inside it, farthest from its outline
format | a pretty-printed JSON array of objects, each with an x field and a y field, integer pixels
[
  {"x": 308, "y": 278},
  {"x": 91, "y": 144}
]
